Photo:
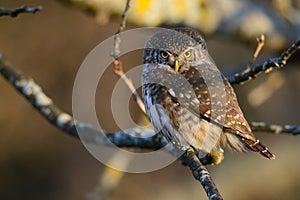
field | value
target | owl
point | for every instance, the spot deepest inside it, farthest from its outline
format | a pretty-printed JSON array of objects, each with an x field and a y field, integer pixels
[{"x": 189, "y": 101}]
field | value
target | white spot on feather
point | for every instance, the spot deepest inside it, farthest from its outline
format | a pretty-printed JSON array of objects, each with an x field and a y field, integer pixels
[
  {"x": 237, "y": 116},
  {"x": 196, "y": 101},
  {"x": 171, "y": 91}
]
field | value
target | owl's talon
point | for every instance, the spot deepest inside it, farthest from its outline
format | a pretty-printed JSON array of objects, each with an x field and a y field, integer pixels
[{"x": 215, "y": 157}]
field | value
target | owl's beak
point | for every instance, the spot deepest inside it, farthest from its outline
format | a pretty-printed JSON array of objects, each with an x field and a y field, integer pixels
[
  {"x": 174, "y": 63},
  {"x": 176, "y": 66}
]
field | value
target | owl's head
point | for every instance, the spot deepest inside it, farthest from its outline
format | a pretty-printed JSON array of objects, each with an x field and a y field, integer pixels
[{"x": 175, "y": 48}]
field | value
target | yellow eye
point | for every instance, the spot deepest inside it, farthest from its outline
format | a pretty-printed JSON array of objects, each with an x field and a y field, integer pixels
[
  {"x": 187, "y": 54},
  {"x": 164, "y": 54}
]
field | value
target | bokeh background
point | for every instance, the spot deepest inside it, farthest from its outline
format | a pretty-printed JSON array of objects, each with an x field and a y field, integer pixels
[{"x": 38, "y": 161}]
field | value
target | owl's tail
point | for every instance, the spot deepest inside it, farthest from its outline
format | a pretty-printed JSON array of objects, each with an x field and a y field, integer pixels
[{"x": 258, "y": 147}]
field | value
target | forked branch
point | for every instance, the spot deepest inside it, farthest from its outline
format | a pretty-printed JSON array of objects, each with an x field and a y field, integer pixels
[{"x": 274, "y": 63}]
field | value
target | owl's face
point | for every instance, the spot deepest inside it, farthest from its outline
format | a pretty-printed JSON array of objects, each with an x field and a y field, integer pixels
[{"x": 178, "y": 52}]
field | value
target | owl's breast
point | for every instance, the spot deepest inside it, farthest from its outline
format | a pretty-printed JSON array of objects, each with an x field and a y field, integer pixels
[{"x": 176, "y": 122}]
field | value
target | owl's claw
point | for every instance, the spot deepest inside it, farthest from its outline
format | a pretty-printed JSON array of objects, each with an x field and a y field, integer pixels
[{"x": 215, "y": 157}]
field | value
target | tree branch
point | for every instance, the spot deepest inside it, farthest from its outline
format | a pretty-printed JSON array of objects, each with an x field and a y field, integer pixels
[
  {"x": 52, "y": 113},
  {"x": 275, "y": 128},
  {"x": 118, "y": 66},
  {"x": 118, "y": 69},
  {"x": 260, "y": 45},
  {"x": 267, "y": 66},
  {"x": 117, "y": 37},
  {"x": 201, "y": 174},
  {"x": 17, "y": 11},
  {"x": 45, "y": 106}
]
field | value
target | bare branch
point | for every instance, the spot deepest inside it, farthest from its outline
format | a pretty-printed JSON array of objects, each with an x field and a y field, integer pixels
[
  {"x": 260, "y": 45},
  {"x": 201, "y": 174},
  {"x": 52, "y": 113},
  {"x": 118, "y": 69},
  {"x": 118, "y": 66},
  {"x": 17, "y": 11},
  {"x": 267, "y": 66},
  {"x": 275, "y": 128},
  {"x": 117, "y": 37}
]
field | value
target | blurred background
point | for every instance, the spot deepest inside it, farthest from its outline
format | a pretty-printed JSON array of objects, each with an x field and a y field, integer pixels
[{"x": 38, "y": 161}]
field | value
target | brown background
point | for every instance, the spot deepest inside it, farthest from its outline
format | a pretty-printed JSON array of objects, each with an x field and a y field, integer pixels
[{"x": 38, "y": 161}]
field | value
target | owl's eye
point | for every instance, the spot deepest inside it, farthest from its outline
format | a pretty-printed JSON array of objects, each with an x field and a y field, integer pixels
[
  {"x": 164, "y": 54},
  {"x": 187, "y": 54}
]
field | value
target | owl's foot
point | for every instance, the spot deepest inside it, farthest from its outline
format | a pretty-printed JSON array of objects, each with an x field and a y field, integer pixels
[{"x": 215, "y": 157}]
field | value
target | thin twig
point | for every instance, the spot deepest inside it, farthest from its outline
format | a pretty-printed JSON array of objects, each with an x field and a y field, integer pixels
[
  {"x": 117, "y": 37},
  {"x": 119, "y": 71},
  {"x": 260, "y": 44},
  {"x": 267, "y": 66},
  {"x": 22, "y": 9},
  {"x": 118, "y": 66}
]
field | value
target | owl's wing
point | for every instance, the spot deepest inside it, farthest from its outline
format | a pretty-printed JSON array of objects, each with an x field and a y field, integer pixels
[{"x": 216, "y": 102}]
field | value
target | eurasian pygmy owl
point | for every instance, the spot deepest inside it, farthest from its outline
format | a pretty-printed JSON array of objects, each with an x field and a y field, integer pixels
[{"x": 188, "y": 100}]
